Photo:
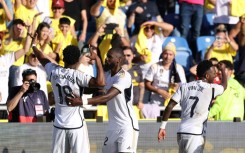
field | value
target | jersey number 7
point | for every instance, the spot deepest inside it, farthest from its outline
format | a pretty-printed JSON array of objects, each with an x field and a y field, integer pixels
[{"x": 194, "y": 104}]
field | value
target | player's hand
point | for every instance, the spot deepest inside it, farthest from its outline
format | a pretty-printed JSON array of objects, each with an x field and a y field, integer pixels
[
  {"x": 140, "y": 105},
  {"x": 73, "y": 100},
  {"x": 161, "y": 134}
]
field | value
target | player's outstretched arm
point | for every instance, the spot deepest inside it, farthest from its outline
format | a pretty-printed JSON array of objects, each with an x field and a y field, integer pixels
[
  {"x": 166, "y": 114},
  {"x": 77, "y": 101}
]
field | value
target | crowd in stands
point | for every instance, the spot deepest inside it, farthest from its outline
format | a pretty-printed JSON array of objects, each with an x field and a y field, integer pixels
[{"x": 140, "y": 29}]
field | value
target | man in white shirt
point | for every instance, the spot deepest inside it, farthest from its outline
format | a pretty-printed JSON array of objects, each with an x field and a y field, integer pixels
[
  {"x": 195, "y": 99},
  {"x": 159, "y": 79}
]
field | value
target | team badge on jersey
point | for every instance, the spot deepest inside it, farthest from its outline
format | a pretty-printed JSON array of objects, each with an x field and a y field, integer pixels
[{"x": 121, "y": 74}]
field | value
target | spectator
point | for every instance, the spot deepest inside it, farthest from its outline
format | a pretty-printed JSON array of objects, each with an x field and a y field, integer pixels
[
  {"x": 136, "y": 74},
  {"x": 108, "y": 12},
  {"x": 76, "y": 9},
  {"x": 103, "y": 10},
  {"x": 162, "y": 78},
  {"x": 27, "y": 103},
  {"x": 116, "y": 40},
  {"x": 191, "y": 13},
  {"x": 140, "y": 12},
  {"x": 58, "y": 8},
  {"x": 149, "y": 42},
  {"x": 231, "y": 103},
  {"x": 27, "y": 12},
  {"x": 44, "y": 36},
  {"x": 63, "y": 38},
  {"x": 5, "y": 62},
  {"x": 14, "y": 42},
  {"x": 222, "y": 48},
  {"x": 166, "y": 7},
  {"x": 33, "y": 64},
  {"x": 194, "y": 98},
  {"x": 223, "y": 14},
  {"x": 238, "y": 32}
]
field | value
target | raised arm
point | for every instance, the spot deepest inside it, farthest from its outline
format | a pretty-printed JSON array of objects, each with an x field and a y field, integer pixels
[
  {"x": 12, "y": 103},
  {"x": 82, "y": 37},
  {"x": 40, "y": 55},
  {"x": 95, "y": 9},
  {"x": 234, "y": 31},
  {"x": 93, "y": 40},
  {"x": 99, "y": 81},
  {"x": 9, "y": 16},
  {"x": 18, "y": 54},
  {"x": 166, "y": 27}
]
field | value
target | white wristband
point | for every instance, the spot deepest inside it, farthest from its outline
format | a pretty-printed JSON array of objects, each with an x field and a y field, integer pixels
[
  {"x": 163, "y": 125},
  {"x": 85, "y": 101}
]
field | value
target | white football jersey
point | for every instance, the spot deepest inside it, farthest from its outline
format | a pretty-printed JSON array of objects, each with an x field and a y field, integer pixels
[
  {"x": 195, "y": 98},
  {"x": 159, "y": 76},
  {"x": 120, "y": 108},
  {"x": 5, "y": 62},
  {"x": 65, "y": 81}
]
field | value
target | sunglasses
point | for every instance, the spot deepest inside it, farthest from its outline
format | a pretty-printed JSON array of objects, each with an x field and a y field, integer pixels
[
  {"x": 150, "y": 28},
  {"x": 221, "y": 31}
]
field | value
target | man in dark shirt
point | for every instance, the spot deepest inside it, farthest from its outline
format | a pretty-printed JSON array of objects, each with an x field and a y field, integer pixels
[
  {"x": 140, "y": 12},
  {"x": 76, "y": 9},
  {"x": 27, "y": 103}
]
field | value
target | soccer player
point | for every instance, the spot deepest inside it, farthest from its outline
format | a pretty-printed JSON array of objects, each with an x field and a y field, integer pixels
[
  {"x": 70, "y": 131},
  {"x": 123, "y": 131},
  {"x": 194, "y": 98}
]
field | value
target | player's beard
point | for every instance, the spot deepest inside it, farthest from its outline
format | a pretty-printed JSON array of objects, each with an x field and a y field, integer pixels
[{"x": 108, "y": 66}]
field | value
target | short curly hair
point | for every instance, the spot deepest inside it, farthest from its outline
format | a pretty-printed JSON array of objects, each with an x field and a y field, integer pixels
[
  {"x": 71, "y": 55},
  {"x": 203, "y": 67}
]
